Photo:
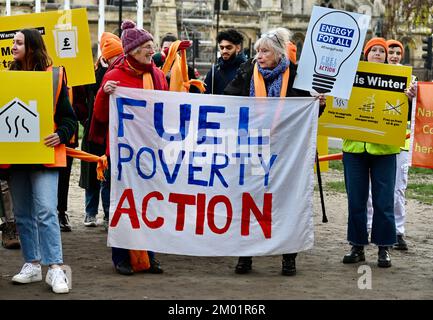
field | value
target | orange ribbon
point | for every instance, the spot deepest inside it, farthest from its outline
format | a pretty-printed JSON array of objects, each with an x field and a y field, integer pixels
[{"x": 88, "y": 157}]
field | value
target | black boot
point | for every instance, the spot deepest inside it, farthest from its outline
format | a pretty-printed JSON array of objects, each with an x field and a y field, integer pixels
[
  {"x": 289, "y": 265},
  {"x": 384, "y": 258},
  {"x": 244, "y": 265},
  {"x": 155, "y": 266},
  {"x": 355, "y": 255},
  {"x": 10, "y": 238},
  {"x": 401, "y": 243},
  {"x": 64, "y": 222},
  {"x": 124, "y": 268}
]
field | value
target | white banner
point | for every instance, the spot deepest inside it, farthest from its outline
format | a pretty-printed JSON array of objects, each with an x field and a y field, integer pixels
[
  {"x": 211, "y": 175},
  {"x": 331, "y": 51}
]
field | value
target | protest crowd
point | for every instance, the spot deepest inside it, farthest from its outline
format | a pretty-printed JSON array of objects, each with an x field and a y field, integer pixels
[{"x": 34, "y": 196}]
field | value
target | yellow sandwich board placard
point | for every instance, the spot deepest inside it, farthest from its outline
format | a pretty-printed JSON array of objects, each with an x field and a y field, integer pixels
[
  {"x": 377, "y": 109},
  {"x": 26, "y": 117},
  {"x": 322, "y": 149},
  {"x": 66, "y": 36}
]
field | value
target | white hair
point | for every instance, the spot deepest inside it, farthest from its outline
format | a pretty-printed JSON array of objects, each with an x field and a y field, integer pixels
[{"x": 276, "y": 40}]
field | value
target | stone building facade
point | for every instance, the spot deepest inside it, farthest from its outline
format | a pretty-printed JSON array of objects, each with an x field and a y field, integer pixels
[{"x": 201, "y": 20}]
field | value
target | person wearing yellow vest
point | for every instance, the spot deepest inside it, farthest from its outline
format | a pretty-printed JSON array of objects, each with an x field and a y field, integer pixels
[
  {"x": 34, "y": 187},
  {"x": 364, "y": 162},
  {"x": 395, "y": 55},
  {"x": 269, "y": 74},
  {"x": 134, "y": 70}
]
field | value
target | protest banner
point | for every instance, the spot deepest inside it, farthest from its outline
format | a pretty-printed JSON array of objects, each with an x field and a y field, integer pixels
[
  {"x": 211, "y": 175},
  {"x": 331, "y": 51},
  {"x": 66, "y": 36},
  {"x": 377, "y": 109},
  {"x": 26, "y": 117},
  {"x": 421, "y": 151}
]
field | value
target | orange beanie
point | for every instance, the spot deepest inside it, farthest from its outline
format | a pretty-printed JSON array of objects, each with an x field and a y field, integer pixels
[
  {"x": 105, "y": 36},
  {"x": 291, "y": 51},
  {"x": 395, "y": 43},
  {"x": 374, "y": 42},
  {"x": 111, "y": 48}
]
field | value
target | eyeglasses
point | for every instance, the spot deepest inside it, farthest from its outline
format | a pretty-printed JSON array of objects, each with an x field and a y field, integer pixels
[
  {"x": 148, "y": 47},
  {"x": 273, "y": 36}
]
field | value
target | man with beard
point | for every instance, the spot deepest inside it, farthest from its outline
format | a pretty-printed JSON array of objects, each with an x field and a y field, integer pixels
[{"x": 221, "y": 74}]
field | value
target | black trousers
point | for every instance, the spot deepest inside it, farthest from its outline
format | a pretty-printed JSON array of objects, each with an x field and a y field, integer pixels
[{"x": 63, "y": 187}]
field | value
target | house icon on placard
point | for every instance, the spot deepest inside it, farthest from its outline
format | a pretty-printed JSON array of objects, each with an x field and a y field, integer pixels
[{"x": 19, "y": 122}]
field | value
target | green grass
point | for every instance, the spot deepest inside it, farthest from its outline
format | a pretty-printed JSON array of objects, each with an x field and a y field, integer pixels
[
  {"x": 413, "y": 170},
  {"x": 422, "y": 192},
  {"x": 80, "y": 132},
  {"x": 334, "y": 150},
  {"x": 335, "y": 164},
  {"x": 336, "y": 186}
]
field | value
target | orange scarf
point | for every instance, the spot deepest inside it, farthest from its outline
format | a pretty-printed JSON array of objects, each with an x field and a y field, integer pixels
[
  {"x": 179, "y": 80},
  {"x": 260, "y": 87},
  {"x": 147, "y": 77},
  {"x": 82, "y": 155}
]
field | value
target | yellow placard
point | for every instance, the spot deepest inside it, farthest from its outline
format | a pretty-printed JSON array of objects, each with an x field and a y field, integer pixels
[
  {"x": 377, "y": 110},
  {"x": 26, "y": 117},
  {"x": 66, "y": 36},
  {"x": 322, "y": 148}
]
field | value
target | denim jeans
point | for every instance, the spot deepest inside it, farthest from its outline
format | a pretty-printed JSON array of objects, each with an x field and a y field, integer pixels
[
  {"x": 92, "y": 199},
  {"x": 358, "y": 169},
  {"x": 34, "y": 197}
]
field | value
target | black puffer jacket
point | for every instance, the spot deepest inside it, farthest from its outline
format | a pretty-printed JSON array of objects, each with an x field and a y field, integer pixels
[{"x": 223, "y": 73}]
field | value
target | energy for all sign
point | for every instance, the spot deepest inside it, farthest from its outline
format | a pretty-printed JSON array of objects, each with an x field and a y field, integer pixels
[
  {"x": 211, "y": 175},
  {"x": 26, "y": 117},
  {"x": 66, "y": 36},
  {"x": 377, "y": 110},
  {"x": 331, "y": 51}
]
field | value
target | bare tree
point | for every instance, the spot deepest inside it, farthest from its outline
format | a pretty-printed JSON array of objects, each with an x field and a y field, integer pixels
[{"x": 407, "y": 14}]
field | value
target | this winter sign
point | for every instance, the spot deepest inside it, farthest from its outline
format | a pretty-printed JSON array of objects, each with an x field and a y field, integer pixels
[{"x": 26, "y": 117}]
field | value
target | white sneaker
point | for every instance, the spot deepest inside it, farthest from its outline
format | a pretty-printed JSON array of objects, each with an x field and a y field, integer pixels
[
  {"x": 57, "y": 279},
  {"x": 29, "y": 273}
]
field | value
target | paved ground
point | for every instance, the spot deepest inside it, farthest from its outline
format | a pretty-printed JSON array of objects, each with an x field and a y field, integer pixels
[{"x": 321, "y": 275}]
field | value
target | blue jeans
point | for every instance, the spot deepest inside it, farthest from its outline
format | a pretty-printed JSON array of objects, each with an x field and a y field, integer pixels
[
  {"x": 92, "y": 199},
  {"x": 34, "y": 198},
  {"x": 358, "y": 168}
]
